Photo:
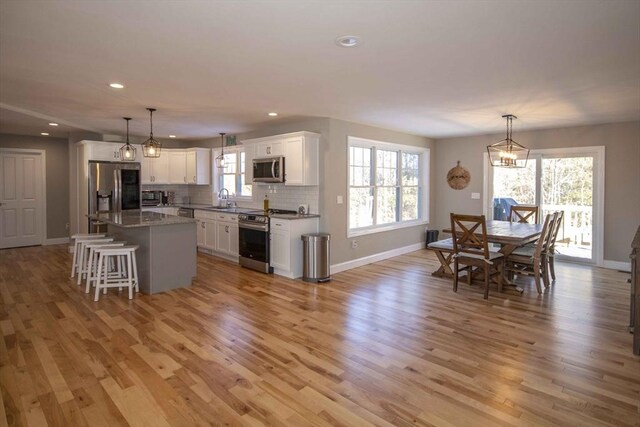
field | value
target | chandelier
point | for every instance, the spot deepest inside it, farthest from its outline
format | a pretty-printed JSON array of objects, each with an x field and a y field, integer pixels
[
  {"x": 151, "y": 147},
  {"x": 508, "y": 153},
  {"x": 127, "y": 151}
]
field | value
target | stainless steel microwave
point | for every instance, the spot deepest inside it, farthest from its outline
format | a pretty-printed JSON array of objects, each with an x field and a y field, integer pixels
[{"x": 268, "y": 170}]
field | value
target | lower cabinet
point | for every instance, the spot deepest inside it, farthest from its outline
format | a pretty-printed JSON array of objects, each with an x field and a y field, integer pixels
[
  {"x": 217, "y": 232},
  {"x": 286, "y": 244}
]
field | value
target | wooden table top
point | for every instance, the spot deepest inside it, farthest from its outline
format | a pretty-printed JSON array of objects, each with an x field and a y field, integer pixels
[{"x": 509, "y": 233}]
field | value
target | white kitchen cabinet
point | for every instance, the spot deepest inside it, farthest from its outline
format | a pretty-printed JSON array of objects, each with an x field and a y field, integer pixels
[
  {"x": 286, "y": 244},
  {"x": 98, "y": 150},
  {"x": 177, "y": 166},
  {"x": 154, "y": 170},
  {"x": 269, "y": 148},
  {"x": 227, "y": 234},
  {"x": 201, "y": 238},
  {"x": 249, "y": 155},
  {"x": 198, "y": 169},
  {"x": 301, "y": 153}
]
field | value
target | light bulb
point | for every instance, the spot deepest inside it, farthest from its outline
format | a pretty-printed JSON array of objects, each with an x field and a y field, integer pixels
[
  {"x": 127, "y": 154},
  {"x": 152, "y": 150}
]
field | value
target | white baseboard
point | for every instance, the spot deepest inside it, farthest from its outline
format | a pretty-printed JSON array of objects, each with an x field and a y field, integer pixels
[
  {"x": 617, "y": 265},
  {"x": 58, "y": 241},
  {"x": 348, "y": 265}
]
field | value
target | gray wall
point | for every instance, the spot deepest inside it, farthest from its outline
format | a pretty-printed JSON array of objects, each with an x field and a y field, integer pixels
[
  {"x": 333, "y": 182},
  {"x": 622, "y": 174},
  {"x": 57, "y": 177}
]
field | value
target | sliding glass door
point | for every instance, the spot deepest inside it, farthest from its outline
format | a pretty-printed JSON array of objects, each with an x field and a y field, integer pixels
[{"x": 567, "y": 180}]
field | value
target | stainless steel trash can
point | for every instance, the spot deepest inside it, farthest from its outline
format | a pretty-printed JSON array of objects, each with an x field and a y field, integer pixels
[{"x": 316, "y": 256}]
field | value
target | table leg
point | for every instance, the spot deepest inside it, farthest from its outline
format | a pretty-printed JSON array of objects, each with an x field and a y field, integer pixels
[
  {"x": 445, "y": 264},
  {"x": 508, "y": 286}
]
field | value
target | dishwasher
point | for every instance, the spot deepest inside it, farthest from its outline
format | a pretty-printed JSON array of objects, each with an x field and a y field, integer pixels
[{"x": 185, "y": 212}]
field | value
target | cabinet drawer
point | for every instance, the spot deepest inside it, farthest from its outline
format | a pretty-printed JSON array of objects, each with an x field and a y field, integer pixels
[
  {"x": 204, "y": 214},
  {"x": 226, "y": 217},
  {"x": 280, "y": 224}
]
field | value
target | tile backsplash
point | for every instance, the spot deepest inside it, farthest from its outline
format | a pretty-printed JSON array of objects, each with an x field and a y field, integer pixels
[{"x": 280, "y": 196}]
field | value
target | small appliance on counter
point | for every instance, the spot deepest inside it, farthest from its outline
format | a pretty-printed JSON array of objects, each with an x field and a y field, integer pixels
[
  {"x": 151, "y": 197},
  {"x": 303, "y": 209}
]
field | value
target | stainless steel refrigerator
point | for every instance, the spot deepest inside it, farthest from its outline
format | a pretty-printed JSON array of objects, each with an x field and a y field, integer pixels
[{"x": 113, "y": 187}]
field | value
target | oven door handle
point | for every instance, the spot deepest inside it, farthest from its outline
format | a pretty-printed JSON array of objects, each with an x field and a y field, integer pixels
[{"x": 253, "y": 226}]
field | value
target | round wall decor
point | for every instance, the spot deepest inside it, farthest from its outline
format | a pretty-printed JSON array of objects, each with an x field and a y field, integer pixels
[{"x": 458, "y": 177}]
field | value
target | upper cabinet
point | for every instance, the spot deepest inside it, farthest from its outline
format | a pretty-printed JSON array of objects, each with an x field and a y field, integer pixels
[
  {"x": 154, "y": 170},
  {"x": 300, "y": 150},
  {"x": 269, "y": 148},
  {"x": 177, "y": 166},
  {"x": 199, "y": 166},
  {"x": 98, "y": 150}
]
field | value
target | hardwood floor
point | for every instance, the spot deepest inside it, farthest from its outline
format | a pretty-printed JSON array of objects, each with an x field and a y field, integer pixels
[{"x": 384, "y": 344}]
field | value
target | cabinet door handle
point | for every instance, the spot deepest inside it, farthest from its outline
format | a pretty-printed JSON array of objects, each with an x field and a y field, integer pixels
[
  {"x": 185, "y": 179},
  {"x": 202, "y": 223},
  {"x": 194, "y": 178}
]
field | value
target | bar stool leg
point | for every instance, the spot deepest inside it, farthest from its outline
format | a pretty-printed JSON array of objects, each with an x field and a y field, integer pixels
[
  {"x": 74, "y": 263},
  {"x": 135, "y": 271},
  {"x": 99, "y": 277}
]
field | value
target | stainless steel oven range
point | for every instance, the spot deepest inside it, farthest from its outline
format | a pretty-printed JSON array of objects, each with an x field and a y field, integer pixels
[{"x": 253, "y": 231}]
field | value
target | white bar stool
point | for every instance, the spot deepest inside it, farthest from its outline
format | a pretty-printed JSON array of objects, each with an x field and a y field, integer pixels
[
  {"x": 83, "y": 254},
  {"x": 77, "y": 238},
  {"x": 129, "y": 278},
  {"x": 92, "y": 261}
]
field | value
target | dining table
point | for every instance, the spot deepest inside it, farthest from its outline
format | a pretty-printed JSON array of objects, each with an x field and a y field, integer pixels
[{"x": 509, "y": 235}]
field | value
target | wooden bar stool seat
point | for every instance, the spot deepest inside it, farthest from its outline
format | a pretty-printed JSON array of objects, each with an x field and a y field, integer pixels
[{"x": 126, "y": 278}]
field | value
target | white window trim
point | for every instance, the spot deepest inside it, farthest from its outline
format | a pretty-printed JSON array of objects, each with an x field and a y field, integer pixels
[
  {"x": 424, "y": 152},
  {"x": 216, "y": 173}
]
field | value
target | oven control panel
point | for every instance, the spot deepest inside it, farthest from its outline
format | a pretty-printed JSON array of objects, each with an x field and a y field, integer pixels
[{"x": 253, "y": 218}]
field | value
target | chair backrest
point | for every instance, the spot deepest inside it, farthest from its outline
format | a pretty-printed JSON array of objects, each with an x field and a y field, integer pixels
[
  {"x": 524, "y": 213},
  {"x": 556, "y": 229},
  {"x": 545, "y": 237},
  {"x": 465, "y": 241}
]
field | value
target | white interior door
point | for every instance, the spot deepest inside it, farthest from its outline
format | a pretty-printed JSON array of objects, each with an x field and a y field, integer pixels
[{"x": 21, "y": 199}]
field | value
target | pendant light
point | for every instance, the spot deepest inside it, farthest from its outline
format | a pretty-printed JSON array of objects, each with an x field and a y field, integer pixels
[
  {"x": 151, "y": 147},
  {"x": 220, "y": 159},
  {"x": 127, "y": 151},
  {"x": 508, "y": 153}
]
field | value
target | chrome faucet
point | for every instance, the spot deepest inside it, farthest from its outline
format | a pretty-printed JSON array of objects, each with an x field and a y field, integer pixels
[{"x": 223, "y": 196}]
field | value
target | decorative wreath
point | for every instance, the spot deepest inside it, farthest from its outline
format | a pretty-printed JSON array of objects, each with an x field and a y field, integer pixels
[{"x": 458, "y": 177}]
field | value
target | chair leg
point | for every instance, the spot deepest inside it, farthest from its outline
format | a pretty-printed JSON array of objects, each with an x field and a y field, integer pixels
[
  {"x": 487, "y": 278},
  {"x": 130, "y": 276},
  {"x": 501, "y": 267},
  {"x": 536, "y": 275},
  {"x": 98, "y": 278},
  {"x": 455, "y": 275},
  {"x": 545, "y": 271},
  {"x": 551, "y": 267},
  {"x": 469, "y": 274}
]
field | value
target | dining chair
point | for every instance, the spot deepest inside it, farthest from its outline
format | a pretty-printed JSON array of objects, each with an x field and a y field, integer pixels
[
  {"x": 531, "y": 260},
  {"x": 551, "y": 247},
  {"x": 524, "y": 213},
  {"x": 471, "y": 249}
]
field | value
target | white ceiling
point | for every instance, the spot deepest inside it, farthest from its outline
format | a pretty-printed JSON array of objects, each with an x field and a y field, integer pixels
[{"x": 432, "y": 68}]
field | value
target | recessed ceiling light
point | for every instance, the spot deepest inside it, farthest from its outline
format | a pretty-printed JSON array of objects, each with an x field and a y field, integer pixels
[
  {"x": 53, "y": 124},
  {"x": 273, "y": 114},
  {"x": 172, "y": 136},
  {"x": 116, "y": 85},
  {"x": 44, "y": 134},
  {"x": 347, "y": 41}
]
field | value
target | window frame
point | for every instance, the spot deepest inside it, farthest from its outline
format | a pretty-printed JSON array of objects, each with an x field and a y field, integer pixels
[
  {"x": 423, "y": 185},
  {"x": 217, "y": 175}
]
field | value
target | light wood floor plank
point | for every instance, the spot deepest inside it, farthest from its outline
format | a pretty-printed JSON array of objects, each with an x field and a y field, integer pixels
[{"x": 385, "y": 344}]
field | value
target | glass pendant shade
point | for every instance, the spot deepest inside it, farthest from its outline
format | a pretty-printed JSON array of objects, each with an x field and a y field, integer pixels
[
  {"x": 508, "y": 153},
  {"x": 220, "y": 159},
  {"x": 127, "y": 151},
  {"x": 151, "y": 147}
]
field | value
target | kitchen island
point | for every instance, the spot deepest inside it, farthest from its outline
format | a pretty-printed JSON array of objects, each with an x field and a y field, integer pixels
[{"x": 167, "y": 247}]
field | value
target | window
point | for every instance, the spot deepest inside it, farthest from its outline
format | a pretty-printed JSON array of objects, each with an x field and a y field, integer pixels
[
  {"x": 232, "y": 177},
  {"x": 386, "y": 189}
]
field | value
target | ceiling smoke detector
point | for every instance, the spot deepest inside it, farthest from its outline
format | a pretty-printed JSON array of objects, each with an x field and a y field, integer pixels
[{"x": 347, "y": 41}]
